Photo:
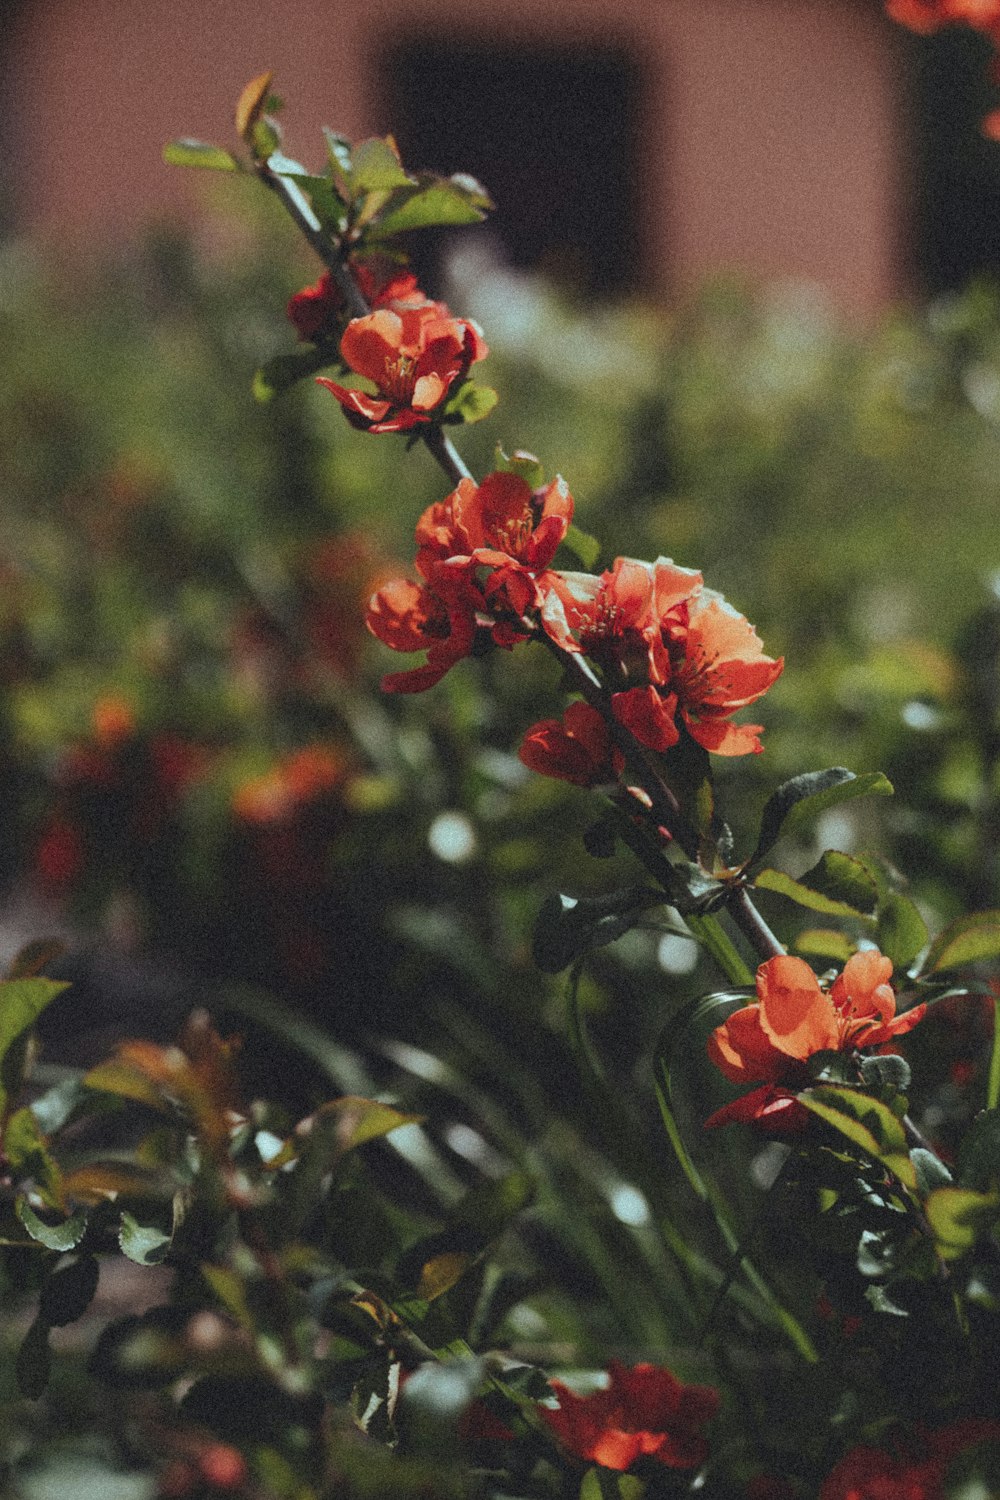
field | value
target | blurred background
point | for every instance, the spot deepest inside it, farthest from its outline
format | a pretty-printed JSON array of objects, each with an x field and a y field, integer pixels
[{"x": 739, "y": 290}]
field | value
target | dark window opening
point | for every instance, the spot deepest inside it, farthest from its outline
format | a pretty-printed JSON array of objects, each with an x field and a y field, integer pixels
[
  {"x": 958, "y": 168},
  {"x": 552, "y": 134}
]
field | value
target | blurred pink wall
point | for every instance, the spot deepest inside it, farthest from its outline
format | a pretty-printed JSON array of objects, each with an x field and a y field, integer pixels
[{"x": 775, "y": 141}]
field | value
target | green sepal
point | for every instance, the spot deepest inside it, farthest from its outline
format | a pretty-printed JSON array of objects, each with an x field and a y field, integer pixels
[
  {"x": 800, "y": 800},
  {"x": 188, "y": 153}
]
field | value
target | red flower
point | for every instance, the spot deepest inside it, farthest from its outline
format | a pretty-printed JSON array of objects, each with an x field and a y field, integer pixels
[
  {"x": 643, "y": 1412},
  {"x": 921, "y": 1473},
  {"x": 438, "y": 616},
  {"x": 719, "y": 667},
  {"x": 413, "y": 355},
  {"x": 500, "y": 520},
  {"x": 676, "y": 651},
  {"x": 794, "y": 1018},
  {"x": 316, "y": 311},
  {"x": 578, "y": 748}
]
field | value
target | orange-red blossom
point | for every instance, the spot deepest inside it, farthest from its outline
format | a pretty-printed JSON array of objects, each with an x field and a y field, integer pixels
[
  {"x": 794, "y": 1018},
  {"x": 645, "y": 1412},
  {"x": 413, "y": 355}
]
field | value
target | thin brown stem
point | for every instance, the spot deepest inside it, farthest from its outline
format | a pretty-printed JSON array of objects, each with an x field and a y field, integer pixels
[{"x": 752, "y": 925}]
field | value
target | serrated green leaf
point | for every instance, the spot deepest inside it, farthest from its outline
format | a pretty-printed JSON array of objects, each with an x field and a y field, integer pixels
[
  {"x": 62, "y": 1237},
  {"x": 568, "y": 927},
  {"x": 967, "y": 940},
  {"x": 867, "y": 1123},
  {"x": 146, "y": 1244},
  {"x": 433, "y": 204},
  {"x": 34, "y": 1361},
  {"x": 69, "y": 1291},
  {"x": 900, "y": 930},
  {"x": 800, "y": 800},
  {"x": 187, "y": 153},
  {"x": 959, "y": 1217},
  {"x": 470, "y": 403}
]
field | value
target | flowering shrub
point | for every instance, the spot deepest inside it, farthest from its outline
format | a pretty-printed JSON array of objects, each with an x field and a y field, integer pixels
[{"x": 341, "y": 1313}]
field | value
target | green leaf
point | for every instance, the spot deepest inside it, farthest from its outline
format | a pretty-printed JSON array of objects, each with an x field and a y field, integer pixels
[
  {"x": 376, "y": 167},
  {"x": 800, "y": 800},
  {"x": 285, "y": 370},
  {"x": 60, "y": 1237},
  {"x": 607, "y": 1484},
  {"x": 867, "y": 1123},
  {"x": 34, "y": 1361},
  {"x": 802, "y": 893},
  {"x": 186, "y": 153},
  {"x": 586, "y": 548},
  {"x": 967, "y": 940},
  {"x": 959, "y": 1217},
  {"x": 470, "y": 403},
  {"x": 355, "y": 1121},
  {"x": 145, "y": 1244},
  {"x": 434, "y": 203},
  {"x": 823, "y": 942},
  {"x": 21, "y": 1003},
  {"x": 69, "y": 1291},
  {"x": 568, "y": 927},
  {"x": 900, "y": 931}
]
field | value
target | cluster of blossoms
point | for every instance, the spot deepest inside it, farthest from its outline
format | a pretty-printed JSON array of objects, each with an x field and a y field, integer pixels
[
  {"x": 411, "y": 348},
  {"x": 645, "y": 1412},
  {"x": 917, "y": 1470},
  {"x": 671, "y": 653},
  {"x": 770, "y": 1042}
]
